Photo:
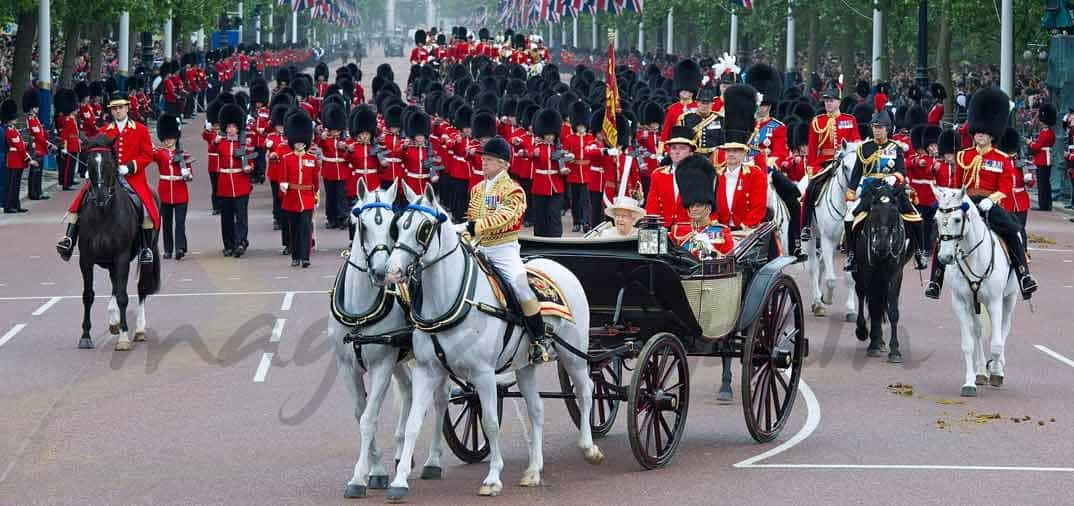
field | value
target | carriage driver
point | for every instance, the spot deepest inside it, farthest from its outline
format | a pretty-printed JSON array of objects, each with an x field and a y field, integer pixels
[
  {"x": 495, "y": 214},
  {"x": 133, "y": 149},
  {"x": 880, "y": 160}
]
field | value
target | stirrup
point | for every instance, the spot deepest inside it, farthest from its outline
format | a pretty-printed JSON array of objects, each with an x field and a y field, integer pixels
[
  {"x": 807, "y": 234},
  {"x": 146, "y": 256},
  {"x": 539, "y": 353},
  {"x": 1028, "y": 285},
  {"x": 850, "y": 265},
  {"x": 920, "y": 263},
  {"x": 65, "y": 247},
  {"x": 932, "y": 291}
]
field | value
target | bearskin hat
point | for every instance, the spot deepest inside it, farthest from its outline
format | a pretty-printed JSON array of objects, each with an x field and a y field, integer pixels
[
  {"x": 81, "y": 90},
  {"x": 463, "y": 117},
  {"x": 298, "y": 128},
  {"x": 596, "y": 120},
  {"x": 547, "y": 121},
  {"x": 625, "y": 126},
  {"x": 509, "y": 106},
  {"x": 687, "y": 76},
  {"x": 283, "y": 77},
  {"x": 232, "y": 114},
  {"x": 278, "y": 114},
  {"x": 168, "y": 127},
  {"x": 212, "y": 111},
  {"x": 393, "y": 116},
  {"x": 1011, "y": 142},
  {"x": 863, "y": 113},
  {"x": 1047, "y": 114},
  {"x": 65, "y": 101},
  {"x": 96, "y": 89},
  {"x": 420, "y": 37},
  {"x": 917, "y": 140},
  {"x": 483, "y": 34},
  {"x": 283, "y": 97},
  {"x": 242, "y": 100},
  {"x": 483, "y": 125},
  {"x": 579, "y": 113},
  {"x": 768, "y": 82},
  {"x": 798, "y": 135},
  {"x": 487, "y": 101},
  {"x": 418, "y": 123},
  {"x": 301, "y": 86},
  {"x": 862, "y": 88},
  {"x": 30, "y": 100},
  {"x": 385, "y": 72},
  {"x": 9, "y": 110},
  {"x": 938, "y": 91},
  {"x": 651, "y": 113},
  {"x": 696, "y": 179},
  {"x": 363, "y": 119},
  {"x": 462, "y": 34},
  {"x": 915, "y": 115},
  {"x": 988, "y": 113},
  {"x": 334, "y": 116},
  {"x": 740, "y": 106},
  {"x": 930, "y": 135},
  {"x": 847, "y": 104},
  {"x": 259, "y": 92},
  {"x": 527, "y": 113},
  {"x": 949, "y": 142}
]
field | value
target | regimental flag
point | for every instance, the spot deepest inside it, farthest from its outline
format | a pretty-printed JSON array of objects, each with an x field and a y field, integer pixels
[
  {"x": 611, "y": 96},
  {"x": 745, "y": 4}
]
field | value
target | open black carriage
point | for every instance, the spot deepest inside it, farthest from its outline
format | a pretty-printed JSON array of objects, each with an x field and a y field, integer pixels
[{"x": 648, "y": 314}]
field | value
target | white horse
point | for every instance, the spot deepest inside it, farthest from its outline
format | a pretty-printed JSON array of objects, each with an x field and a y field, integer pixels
[
  {"x": 828, "y": 229},
  {"x": 370, "y": 312},
  {"x": 478, "y": 345},
  {"x": 973, "y": 256},
  {"x": 781, "y": 216}
]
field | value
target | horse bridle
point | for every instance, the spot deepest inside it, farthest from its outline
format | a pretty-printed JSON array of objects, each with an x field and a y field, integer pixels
[
  {"x": 973, "y": 278},
  {"x": 424, "y": 234},
  {"x": 380, "y": 248},
  {"x": 97, "y": 187}
]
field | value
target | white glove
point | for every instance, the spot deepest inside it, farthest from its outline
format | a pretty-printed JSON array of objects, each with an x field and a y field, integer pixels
[
  {"x": 985, "y": 204},
  {"x": 564, "y": 171},
  {"x": 268, "y": 144},
  {"x": 434, "y": 178},
  {"x": 568, "y": 157},
  {"x": 185, "y": 173},
  {"x": 612, "y": 151},
  {"x": 208, "y": 126},
  {"x": 460, "y": 227},
  {"x": 124, "y": 170},
  {"x": 1027, "y": 178},
  {"x": 890, "y": 180},
  {"x": 284, "y": 186}
]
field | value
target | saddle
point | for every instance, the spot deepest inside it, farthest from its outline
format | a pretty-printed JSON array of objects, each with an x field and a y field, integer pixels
[{"x": 549, "y": 295}]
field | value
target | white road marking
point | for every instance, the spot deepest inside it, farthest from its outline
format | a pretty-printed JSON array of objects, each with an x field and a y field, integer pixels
[
  {"x": 45, "y": 307},
  {"x": 48, "y": 283},
  {"x": 233, "y": 278},
  {"x": 811, "y": 423},
  {"x": 277, "y": 330},
  {"x": 186, "y": 280},
  {"x": 1047, "y": 351},
  {"x": 288, "y": 298},
  {"x": 262, "y": 368},
  {"x": 281, "y": 277},
  {"x": 913, "y": 467},
  {"x": 11, "y": 333},
  {"x": 34, "y": 257},
  {"x": 1067, "y": 260},
  {"x": 159, "y": 295},
  {"x": 327, "y": 276},
  {"x": 1052, "y": 250}
]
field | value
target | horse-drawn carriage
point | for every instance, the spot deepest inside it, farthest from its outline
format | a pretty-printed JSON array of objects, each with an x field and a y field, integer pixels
[{"x": 649, "y": 312}]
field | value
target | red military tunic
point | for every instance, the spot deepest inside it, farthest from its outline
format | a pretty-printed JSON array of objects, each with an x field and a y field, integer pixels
[
  {"x": 171, "y": 186},
  {"x": 794, "y": 167},
  {"x": 770, "y": 139},
  {"x": 213, "y": 158},
  {"x": 88, "y": 119},
  {"x": 416, "y": 176},
  {"x": 936, "y": 113},
  {"x": 393, "y": 148},
  {"x": 234, "y": 178},
  {"x": 719, "y": 236},
  {"x": 586, "y": 153},
  {"x": 261, "y": 127},
  {"x": 1018, "y": 187},
  {"x": 363, "y": 165},
  {"x": 472, "y": 148},
  {"x": 69, "y": 140},
  {"x": 920, "y": 171},
  {"x": 322, "y": 88},
  {"x": 750, "y": 199},
  {"x": 612, "y": 174},
  {"x": 663, "y": 198},
  {"x": 17, "y": 155},
  {"x": 1045, "y": 140},
  {"x": 989, "y": 174},
  {"x": 418, "y": 56},
  {"x": 37, "y": 133},
  {"x": 826, "y": 135},
  {"x": 333, "y": 161},
  {"x": 134, "y": 149},
  {"x": 456, "y": 163},
  {"x": 276, "y": 144},
  {"x": 300, "y": 173},
  {"x": 648, "y": 140},
  {"x": 547, "y": 180},
  {"x": 671, "y": 118},
  {"x": 947, "y": 174},
  {"x": 521, "y": 164}
]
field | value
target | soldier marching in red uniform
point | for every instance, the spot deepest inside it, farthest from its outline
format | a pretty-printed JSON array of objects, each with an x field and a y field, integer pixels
[
  {"x": 364, "y": 163},
  {"x": 276, "y": 145},
  {"x": 40, "y": 143},
  {"x": 300, "y": 186},
  {"x": 66, "y": 103},
  {"x": 175, "y": 170},
  {"x": 584, "y": 150},
  {"x": 548, "y": 174},
  {"x": 419, "y": 55},
  {"x": 334, "y": 164},
  {"x": 417, "y": 156},
  {"x": 393, "y": 144},
  {"x": 1041, "y": 149},
  {"x": 233, "y": 186}
]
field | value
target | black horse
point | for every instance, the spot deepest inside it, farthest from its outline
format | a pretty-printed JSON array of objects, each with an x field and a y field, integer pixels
[
  {"x": 882, "y": 252},
  {"x": 110, "y": 221}
]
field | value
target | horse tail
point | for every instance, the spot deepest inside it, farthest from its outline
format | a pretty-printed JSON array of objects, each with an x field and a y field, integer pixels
[{"x": 149, "y": 275}]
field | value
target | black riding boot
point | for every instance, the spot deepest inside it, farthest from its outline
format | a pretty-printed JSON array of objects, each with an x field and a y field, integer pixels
[
  {"x": 1026, "y": 283},
  {"x": 848, "y": 239},
  {"x": 807, "y": 222},
  {"x": 917, "y": 239},
  {"x": 932, "y": 291},
  {"x": 146, "y": 256},
  {"x": 66, "y": 246},
  {"x": 541, "y": 351}
]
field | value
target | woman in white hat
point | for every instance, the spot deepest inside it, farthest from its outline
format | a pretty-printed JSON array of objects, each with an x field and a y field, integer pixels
[{"x": 625, "y": 213}]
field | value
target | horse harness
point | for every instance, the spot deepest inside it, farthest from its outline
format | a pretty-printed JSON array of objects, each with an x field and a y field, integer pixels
[{"x": 964, "y": 268}]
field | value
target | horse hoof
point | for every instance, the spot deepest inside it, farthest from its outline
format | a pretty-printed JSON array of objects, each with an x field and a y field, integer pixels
[
  {"x": 431, "y": 473},
  {"x": 530, "y": 479},
  {"x": 852, "y": 317},
  {"x": 895, "y": 357},
  {"x": 490, "y": 490},
  {"x": 113, "y": 329},
  {"x": 123, "y": 346},
  {"x": 818, "y": 310},
  {"x": 826, "y": 299},
  {"x": 981, "y": 379},
  {"x": 995, "y": 381},
  {"x": 725, "y": 395},
  {"x": 85, "y": 343},
  {"x": 968, "y": 391},
  {"x": 354, "y": 491},
  {"x": 397, "y": 494},
  {"x": 139, "y": 337},
  {"x": 378, "y": 482},
  {"x": 861, "y": 334},
  {"x": 873, "y": 352},
  {"x": 593, "y": 455}
]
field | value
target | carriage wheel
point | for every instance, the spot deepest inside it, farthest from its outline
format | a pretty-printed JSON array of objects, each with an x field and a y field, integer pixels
[
  {"x": 605, "y": 400},
  {"x": 462, "y": 427},
  {"x": 658, "y": 399},
  {"x": 772, "y": 358}
]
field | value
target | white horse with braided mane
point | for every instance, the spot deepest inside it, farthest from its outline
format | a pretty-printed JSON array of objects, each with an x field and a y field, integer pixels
[
  {"x": 371, "y": 313},
  {"x": 477, "y": 345},
  {"x": 827, "y": 227},
  {"x": 977, "y": 272}
]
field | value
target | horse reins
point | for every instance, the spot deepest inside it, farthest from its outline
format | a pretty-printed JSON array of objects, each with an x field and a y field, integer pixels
[{"x": 964, "y": 268}]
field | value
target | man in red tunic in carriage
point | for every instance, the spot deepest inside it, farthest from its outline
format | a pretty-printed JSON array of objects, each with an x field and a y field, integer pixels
[{"x": 133, "y": 150}]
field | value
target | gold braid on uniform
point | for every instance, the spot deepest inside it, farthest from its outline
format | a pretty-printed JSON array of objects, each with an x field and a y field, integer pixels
[
  {"x": 972, "y": 175},
  {"x": 499, "y": 227},
  {"x": 827, "y": 133}
]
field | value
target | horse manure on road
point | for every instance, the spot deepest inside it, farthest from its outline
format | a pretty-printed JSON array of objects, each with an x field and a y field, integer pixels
[
  {"x": 900, "y": 389},
  {"x": 1040, "y": 239}
]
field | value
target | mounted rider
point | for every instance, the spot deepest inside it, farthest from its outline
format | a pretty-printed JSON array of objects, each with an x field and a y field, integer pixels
[
  {"x": 827, "y": 132},
  {"x": 133, "y": 149},
  {"x": 705, "y": 122},
  {"x": 497, "y": 207},
  {"x": 879, "y": 161},
  {"x": 987, "y": 175}
]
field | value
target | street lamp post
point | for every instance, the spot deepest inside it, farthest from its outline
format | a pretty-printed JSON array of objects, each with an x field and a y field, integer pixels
[{"x": 921, "y": 77}]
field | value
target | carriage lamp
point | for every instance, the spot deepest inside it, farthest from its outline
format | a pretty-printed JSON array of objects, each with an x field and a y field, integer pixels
[{"x": 652, "y": 237}]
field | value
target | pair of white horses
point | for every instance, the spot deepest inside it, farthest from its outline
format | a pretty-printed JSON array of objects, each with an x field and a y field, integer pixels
[
  {"x": 973, "y": 257},
  {"x": 426, "y": 245}
]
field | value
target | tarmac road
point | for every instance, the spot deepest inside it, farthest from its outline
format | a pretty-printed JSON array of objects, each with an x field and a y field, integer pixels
[{"x": 234, "y": 398}]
